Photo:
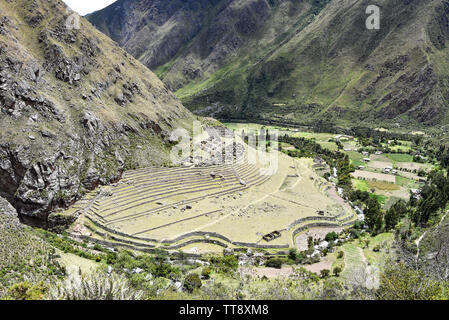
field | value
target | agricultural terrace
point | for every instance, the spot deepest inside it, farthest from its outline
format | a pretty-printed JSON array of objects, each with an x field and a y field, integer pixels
[{"x": 205, "y": 208}]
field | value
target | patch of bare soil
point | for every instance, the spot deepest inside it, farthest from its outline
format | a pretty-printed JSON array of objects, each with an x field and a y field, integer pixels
[{"x": 317, "y": 267}]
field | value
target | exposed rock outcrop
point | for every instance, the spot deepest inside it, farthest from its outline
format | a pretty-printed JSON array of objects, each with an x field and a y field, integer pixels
[
  {"x": 7, "y": 209},
  {"x": 64, "y": 131}
]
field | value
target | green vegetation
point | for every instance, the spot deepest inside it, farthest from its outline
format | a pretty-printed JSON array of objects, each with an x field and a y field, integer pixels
[
  {"x": 399, "y": 157},
  {"x": 27, "y": 291},
  {"x": 192, "y": 282},
  {"x": 309, "y": 148},
  {"x": 274, "y": 263},
  {"x": 24, "y": 256},
  {"x": 399, "y": 282}
]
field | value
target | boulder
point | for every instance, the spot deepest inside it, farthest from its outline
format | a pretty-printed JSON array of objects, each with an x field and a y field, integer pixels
[{"x": 7, "y": 209}]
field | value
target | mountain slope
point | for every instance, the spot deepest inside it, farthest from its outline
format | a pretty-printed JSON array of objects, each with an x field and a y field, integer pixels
[
  {"x": 295, "y": 61},
  {"x": 75, "y": 109}
]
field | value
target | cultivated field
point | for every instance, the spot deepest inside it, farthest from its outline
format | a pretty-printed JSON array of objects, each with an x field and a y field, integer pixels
[
  {"x": 359, "y": 174},
  {"x": 202, "y": 209}
]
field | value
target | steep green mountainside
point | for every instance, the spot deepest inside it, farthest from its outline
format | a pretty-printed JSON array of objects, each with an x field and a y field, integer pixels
[
  {"x": 294, "y": 61},
  {"x": 76, "y": 110}
]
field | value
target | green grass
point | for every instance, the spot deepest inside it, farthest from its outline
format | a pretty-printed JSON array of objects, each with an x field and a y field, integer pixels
[
  {"x": 364, "y": 185},
  {"x": 353, "y": 258},
  {"x": 399, "y": 157},
  {"x": 356, "y": 158},
  {"x": 406, "y": 183},
  {"x": 400, "y": 148},
  {"x": 380, "y": 198},
  {"x": 381, "y": 238},
  {"x": 329, "y": 145},
  {"x": 361, "y": 185},
  {"x": 384, "y": 241}
]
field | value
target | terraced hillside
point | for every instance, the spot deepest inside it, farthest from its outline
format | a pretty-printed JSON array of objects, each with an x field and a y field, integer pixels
[{"x": 205, "y": 208}]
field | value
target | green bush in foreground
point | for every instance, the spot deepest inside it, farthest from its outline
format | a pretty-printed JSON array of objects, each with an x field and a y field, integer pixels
[
  {"x": 27, "y": 291},
  {"x": 192, "y": 282},
  {"x": 401, "y": 283}
]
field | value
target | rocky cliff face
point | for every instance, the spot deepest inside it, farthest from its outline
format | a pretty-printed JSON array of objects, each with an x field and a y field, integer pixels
[
  {"x": 75, "y": 109},
  {"x": 291, "y": 60}
]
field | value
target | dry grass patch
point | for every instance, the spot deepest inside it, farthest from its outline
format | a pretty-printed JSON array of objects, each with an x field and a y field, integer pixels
[
  {"x": 373, "y": 176},
  {"x": 382, "y": 185}
]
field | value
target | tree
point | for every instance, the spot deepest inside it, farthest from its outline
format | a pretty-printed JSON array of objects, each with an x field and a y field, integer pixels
[
  {"x": 331, "y": 236},
  {"x": 395, "y": 213},
  {"x": 373, "y": 215},
  {"x": 337, "y": 271},
  {"x": 292, "y": 254},
  {"x": 433, "y": 197}
]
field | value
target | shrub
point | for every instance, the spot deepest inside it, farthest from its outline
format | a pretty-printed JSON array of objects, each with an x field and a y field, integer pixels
[
  {"x": 206, "y": 273},
  {"x": 331, "y": 236},
  {"x": 359, "y": 225},
  {"x": 95, "y": 286},
  {"x": 340, "y": 254},
  {"x": 355, "y": 233},
  {"x": 192, "y": 282},
  {"x": 224, "y": 264},
  {"x": 337, "y": 271},
  {"x": 27, "y": 291},
  {"x": 292, "y": 254},
  {"x": 324, "y": 273},
  {"x": 366, "y": 243},
  {"x": 274, "y": 263},
  {"x": 300, "y": 258}
]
